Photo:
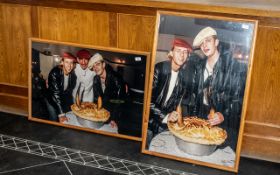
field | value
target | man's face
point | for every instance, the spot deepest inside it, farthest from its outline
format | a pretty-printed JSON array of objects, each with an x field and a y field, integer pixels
[
  {"x": 83, "y": 63},
  {"x": 68, "y": 65},
  {"x": 180, "y": 55},
  {"x": 99, "y": 67},
  {"x": 209, "y": 46}
]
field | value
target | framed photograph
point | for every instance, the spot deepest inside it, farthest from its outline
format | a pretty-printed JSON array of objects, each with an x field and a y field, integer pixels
[
  {"x": 91, "y": 88},
  {"x": 198, "y": 88}
]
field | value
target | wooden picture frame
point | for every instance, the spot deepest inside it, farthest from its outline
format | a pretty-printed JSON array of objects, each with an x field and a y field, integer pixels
[
  {"x": 51, "y": 100},
  {"x": 226, "y": 45}
]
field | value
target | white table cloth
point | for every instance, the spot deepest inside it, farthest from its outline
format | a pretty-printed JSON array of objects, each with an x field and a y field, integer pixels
[
  {"x": 72, "y": 120},
  {"x": 165, "y": 143}
]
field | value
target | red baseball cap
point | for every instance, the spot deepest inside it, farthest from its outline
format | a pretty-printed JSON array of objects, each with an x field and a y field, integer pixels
[
  {"x": 83, "y": 54},
  {"x": 68, "y": 56},
  {"x": 181, "y": 43}
]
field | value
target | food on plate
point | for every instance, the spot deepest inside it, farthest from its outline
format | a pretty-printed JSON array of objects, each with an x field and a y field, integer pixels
[
  {"x": 198, "y": 130},
  {"x": 89, "y": 111}
]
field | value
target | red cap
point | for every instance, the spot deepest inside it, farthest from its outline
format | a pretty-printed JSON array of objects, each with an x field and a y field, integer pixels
[
  {"x": 181, "y": 43},
  {"x": 68, "y": 56},
  {"x": 83, "y": 54}
]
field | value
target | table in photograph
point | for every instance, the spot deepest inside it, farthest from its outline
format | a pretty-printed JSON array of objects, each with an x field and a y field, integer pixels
[
  {"x": 72, "y": 120},
  {"x": 165, "y": 143}
]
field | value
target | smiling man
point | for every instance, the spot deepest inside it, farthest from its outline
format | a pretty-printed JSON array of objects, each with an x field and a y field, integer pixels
[
  {"x": 84, "y": 76},
  {"x": 168, "y": 86},
  {"x": 61, "y": 82},
  {"x": 107, "y": 84}
]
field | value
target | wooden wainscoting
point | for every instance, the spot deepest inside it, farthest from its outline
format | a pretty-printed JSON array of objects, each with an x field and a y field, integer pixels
[
  {"x": 262, "y": 130},
  {"x": 136, "y": 32},
  {"x": 78, "y": 26},
  {"x": 261, "y": 141},
  {"x": 15, "y": 22},
  {"x": 14, "y": 99},
  {"x": 264, "y": 97}
]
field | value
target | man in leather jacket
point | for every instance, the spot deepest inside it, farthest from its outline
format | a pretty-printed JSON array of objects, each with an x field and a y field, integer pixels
[
  {"x": 108, "y": 85},
  {"x": 168, "y": 87},
  {"x": 221, "y": 83},
  {"x": 61, "y": 82}
]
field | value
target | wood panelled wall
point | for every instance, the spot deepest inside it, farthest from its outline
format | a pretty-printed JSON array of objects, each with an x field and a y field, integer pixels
[
  {"x": 78, "y": 26},
  {"x": 262, "y": 127},
  {"x": 96, "y": 28},
  {"x": 15, "y": 22},
  {"x": 134, "y": 31}
]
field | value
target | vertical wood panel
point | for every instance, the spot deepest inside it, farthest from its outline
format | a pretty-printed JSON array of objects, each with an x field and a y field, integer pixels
[
  {"x": 264, "y": 98},
  {"x": 261, "y": 136},
  {"x": 136, "y": 32},
  {"x": 3, "y": 76},
  {"x": 16, "y": 29},
  {"x": 113, "y": 26},
  {"x": 79, "y": 26},
  {"x": 34, "y": 21}
]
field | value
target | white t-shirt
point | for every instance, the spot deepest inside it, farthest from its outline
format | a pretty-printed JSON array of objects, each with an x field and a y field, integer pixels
[
  {"x": 207, "y": 72},
  {"x": 172, "y": 83},
  {"x": 85, "y": 77},
  {"x": 65, "y": 83}
]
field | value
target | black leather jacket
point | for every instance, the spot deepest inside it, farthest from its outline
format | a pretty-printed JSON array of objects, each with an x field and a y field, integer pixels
[
  {"x": 158, "y": 108},
  {"x": 227, "y": 91},
  {"x": 59, "y": 98},
  {"x": 114, "y": 86},
  {"x": 114, "y": 90}
]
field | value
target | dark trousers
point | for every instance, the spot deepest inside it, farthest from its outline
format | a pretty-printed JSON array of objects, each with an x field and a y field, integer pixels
[{"x": 52, "y": 112}]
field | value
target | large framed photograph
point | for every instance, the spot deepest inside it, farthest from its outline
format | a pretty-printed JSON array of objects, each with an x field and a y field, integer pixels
[
  {"x": 198, "y": 88},
  {"x": 91, "y": 88}
]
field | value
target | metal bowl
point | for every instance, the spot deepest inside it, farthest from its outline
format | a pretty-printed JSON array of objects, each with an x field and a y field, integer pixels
[
  {"x": 195, "y": 148},
  {"x": 90, "y": 124}
]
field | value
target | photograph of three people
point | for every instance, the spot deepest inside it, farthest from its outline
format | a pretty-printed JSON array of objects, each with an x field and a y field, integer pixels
[
  {"x": 90, "y": 88},
  {"x": 187, "y": 102}
]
